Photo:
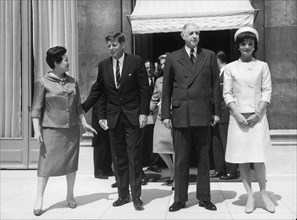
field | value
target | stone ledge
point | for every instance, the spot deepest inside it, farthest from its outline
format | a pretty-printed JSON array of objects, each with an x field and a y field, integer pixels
[
  {"x": 286, "y": 132},
  {"x": 281, "y": 137},
  {"x": 284, "y": 137}
]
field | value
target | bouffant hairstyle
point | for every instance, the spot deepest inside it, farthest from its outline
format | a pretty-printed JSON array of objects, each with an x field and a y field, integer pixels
[
  {"x": 112, "y": 36},
  {"x": 242, "y": 37},
  {"x": 55, "y": 54}
]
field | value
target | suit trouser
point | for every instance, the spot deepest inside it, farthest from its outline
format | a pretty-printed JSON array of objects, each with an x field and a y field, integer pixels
[
  {"x": 101, "y": 148},
  {"x": 148, "y": 157},
  {"x": 126, "y": 150},
  {"x": 183, "y": 140},
  {"x": 219, "y": 143},
  {"x": 147, "y": 144}
]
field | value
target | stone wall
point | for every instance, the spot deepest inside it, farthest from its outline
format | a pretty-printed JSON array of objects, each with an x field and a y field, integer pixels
[
  {"x": 276, "y": 23},
  {"x": 277, "y": 26},
  {"x": 95, "y": 19}
]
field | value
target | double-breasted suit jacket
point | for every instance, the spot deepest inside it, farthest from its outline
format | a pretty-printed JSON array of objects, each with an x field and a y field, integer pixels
[{"x": 193, "y": 90}]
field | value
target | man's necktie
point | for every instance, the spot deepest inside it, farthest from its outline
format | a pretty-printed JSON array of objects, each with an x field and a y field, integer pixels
[
  {"x": 118, "y": 75},
  {"x": 192, "y": 55}
]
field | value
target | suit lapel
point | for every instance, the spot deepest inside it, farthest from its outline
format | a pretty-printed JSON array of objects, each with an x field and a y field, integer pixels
[
  {"x": 110, "y": 73},
  {"x": 185, "y": 60},
  {"x": 199, "y": 63}
]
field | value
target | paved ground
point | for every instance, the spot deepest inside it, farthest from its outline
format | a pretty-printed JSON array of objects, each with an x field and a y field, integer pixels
[{"x": 95, "y": 197}]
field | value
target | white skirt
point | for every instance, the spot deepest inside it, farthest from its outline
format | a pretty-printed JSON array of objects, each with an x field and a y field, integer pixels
[{"x": 248, "y": 145}]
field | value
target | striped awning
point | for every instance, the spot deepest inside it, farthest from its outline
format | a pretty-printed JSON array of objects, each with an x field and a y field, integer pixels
[{"x": 161, "y": 16}]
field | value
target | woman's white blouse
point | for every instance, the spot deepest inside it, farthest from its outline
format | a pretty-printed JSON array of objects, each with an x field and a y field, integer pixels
[{"x": 246, "y": 84}]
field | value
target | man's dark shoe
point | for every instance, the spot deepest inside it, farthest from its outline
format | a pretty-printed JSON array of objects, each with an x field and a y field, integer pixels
[
  {"x": 121, "y": 201},
  {"x": 229, "y": 176},
  {"x": 143, "y": 181},
  {"x": 216, "y": 174},
  {"x": 138, "y": 204},
  {"x": 154, "y": 169},
  {"x": 177, "y": 206},
  {"x": 101, "y": 176},
  {"x": 114, "y": 185},
  {"x": 170, "y": 182},
  {"x": 208, "y": 205}
]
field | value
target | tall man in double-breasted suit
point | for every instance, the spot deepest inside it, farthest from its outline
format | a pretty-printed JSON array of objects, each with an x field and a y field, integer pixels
[
  {"x": 122, "y": 82},
  {"x": 191, "y": 86}
]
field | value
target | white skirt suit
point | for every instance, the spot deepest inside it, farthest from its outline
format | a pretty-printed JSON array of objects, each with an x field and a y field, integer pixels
[{"x": 246, "y": 84}]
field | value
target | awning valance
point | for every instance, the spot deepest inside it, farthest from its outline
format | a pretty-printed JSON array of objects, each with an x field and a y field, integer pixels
[{"x": 157, "y": 16}]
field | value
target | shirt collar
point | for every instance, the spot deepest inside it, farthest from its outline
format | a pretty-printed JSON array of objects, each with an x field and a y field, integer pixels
[
  {"x": 222, "y": 70},
  {"x": 54, "y": 78},
  {"x": 188, "y": 50},
  {"x": 121, "y": 59}
]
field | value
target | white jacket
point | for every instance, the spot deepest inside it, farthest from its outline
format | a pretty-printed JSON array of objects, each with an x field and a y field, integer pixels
[{"x": 247, "y": 84}]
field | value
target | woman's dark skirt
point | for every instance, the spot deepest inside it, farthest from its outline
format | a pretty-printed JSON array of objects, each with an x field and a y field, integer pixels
[{"x": 59, "y": 153}]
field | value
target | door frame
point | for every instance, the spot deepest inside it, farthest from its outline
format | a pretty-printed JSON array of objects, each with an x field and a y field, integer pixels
[{"x": 22, "y": 152}]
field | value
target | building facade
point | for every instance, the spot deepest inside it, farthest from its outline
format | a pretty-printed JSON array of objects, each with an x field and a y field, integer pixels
[{"x": 275, "y": 21}]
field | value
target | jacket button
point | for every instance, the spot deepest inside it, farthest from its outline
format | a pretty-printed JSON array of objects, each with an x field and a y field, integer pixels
[
  {"x": 186, "y": 76},
  {"x": 67, "y": 109}
]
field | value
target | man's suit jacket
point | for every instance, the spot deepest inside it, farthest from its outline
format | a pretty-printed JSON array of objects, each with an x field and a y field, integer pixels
[
  {"x": 225, "y": 112},
  {"x": 132, "y": 98},
  {"x": 151, "y": 118},
  {"x": 193, "y": 90}
]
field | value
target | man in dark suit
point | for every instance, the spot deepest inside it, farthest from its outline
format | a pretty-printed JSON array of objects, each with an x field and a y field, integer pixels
[
  {"x": 101, "y": 148},
  {"x": 123, "y": 90},
  {"x": 191, "y": 86},
  {"x": 101, "y": 145},
  {"x": 223, "y": 170},
  {"x": 150, "y": 159}
]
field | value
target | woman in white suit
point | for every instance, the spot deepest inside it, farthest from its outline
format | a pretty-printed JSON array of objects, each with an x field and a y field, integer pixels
[{"x": 247, "y": 91}]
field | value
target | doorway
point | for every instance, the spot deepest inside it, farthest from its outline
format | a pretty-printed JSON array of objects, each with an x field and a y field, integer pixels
[{"x": 151, "y": 46}]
